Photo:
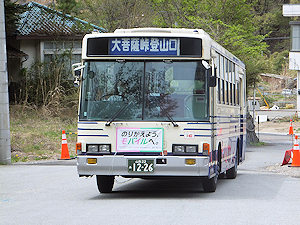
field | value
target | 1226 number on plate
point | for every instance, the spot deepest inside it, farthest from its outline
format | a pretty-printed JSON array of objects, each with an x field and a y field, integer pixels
[{"x": 141, "y": 165}]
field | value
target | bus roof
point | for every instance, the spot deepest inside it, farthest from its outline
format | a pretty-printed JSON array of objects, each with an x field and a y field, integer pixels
[
  {"x": 172, "y": 32},
  {"x": 162, "y": 30}
]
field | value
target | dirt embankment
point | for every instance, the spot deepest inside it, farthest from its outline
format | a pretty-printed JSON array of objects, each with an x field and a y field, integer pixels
[{"x": 277, "y": 127}]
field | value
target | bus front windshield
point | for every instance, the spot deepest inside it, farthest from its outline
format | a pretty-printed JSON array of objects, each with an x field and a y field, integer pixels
[{"x": 144, "y": 90}]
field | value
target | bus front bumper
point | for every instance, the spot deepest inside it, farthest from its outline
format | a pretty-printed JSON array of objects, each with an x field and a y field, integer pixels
[{"x": 120, "y": 165}]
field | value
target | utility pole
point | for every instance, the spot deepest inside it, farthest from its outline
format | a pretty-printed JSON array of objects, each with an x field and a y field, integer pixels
[{"x": 5, "y": 152}]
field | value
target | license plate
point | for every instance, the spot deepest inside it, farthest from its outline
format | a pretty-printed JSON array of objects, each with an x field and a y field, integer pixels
[{"x": 141, "y": 165}]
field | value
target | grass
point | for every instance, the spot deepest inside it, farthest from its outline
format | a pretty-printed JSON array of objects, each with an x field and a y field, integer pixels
[
  {"x": 258, "y": 144},
  {"x": 287, "y": 119},
  {"x": 35, "y": 135}
]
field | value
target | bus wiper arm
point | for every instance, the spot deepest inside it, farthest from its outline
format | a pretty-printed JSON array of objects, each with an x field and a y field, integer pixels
[
  {"x": 166, "y": 112},
  {"x": 119, "y": 112},
  {"x": 170, "y": 118}
]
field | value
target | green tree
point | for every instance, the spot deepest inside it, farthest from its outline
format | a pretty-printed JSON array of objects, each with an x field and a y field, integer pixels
[
  {"x": 277, "y": 63},
  {"x": 12, "y": 16},
  {"x": 229, "y": 22},
  {"x": 114, "y": 14},
  {"x": 67, "y": 6},
  {"x": 268, "y": 20}
]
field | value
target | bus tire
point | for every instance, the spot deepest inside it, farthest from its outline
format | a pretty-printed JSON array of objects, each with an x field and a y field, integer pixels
[
  {"x": 210, "y": 184},
  {"x": 232, "y": 172},
  {"x": 105, "y": 183}
]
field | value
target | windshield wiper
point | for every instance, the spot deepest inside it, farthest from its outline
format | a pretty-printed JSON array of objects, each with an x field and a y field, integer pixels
[
  {"x": 166, "y": 112},
  {"x": 119, "y": 111}
]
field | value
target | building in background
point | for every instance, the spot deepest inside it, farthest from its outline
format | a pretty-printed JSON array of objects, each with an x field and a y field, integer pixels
[
  {"x": 42, "y": 34},
  {"x": 293, "y": 10}
]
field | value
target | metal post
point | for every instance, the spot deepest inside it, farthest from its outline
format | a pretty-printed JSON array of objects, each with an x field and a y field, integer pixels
[
  {"x": 285, "y": 98},
  {"x": 254, "y": 105},
  {"x": 258, "y": 126},
  {"x": 5, "y": 150}
]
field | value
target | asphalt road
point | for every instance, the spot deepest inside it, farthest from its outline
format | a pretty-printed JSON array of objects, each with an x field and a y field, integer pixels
[{"x": 52, "y": 193}]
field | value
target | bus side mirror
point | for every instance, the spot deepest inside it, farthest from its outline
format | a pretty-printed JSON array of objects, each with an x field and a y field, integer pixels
[
  {"x": 212, "y": 80},
  {"x": 76, "y": 82},
  {"x": 76, "y": 70},
  {"x": 77, "y": 73}
]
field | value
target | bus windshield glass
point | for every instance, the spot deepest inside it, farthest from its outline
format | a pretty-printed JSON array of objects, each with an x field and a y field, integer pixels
[{"x": 144, "y": 90}]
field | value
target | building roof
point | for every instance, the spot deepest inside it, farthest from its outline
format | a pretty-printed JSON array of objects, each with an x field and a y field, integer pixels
[
  {"x": 14, "y": 53},
  {"x": 40, "y": 20}
]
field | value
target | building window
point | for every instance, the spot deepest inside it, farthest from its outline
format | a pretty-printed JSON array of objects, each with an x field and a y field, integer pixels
[
  {"x": 65, "y": 52},
  {"x": 295, "y": 31},
  {"x": 62, "y": 45}
]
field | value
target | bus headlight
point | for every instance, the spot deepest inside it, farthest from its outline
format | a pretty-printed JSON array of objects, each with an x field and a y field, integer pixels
[
  {"x": 185, "y": 149},
  {"x": 104, "y": 148},
  {"x": 178, "y": 149},
  {"x": 191, "y": 149},
  {"x": 98, "y": 148},
  {"x": 92, "y": 148}
]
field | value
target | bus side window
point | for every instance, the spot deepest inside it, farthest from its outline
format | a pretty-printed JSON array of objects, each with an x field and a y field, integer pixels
[
  {"x": 219, "y": 90},
  {"x": 223, "y": 91}
]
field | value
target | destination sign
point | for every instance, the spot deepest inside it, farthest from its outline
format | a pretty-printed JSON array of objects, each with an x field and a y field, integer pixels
[{"x": 144, "y": 46}]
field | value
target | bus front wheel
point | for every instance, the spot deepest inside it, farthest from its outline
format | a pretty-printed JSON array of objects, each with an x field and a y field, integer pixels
[
  {"x": 210, "y": 185},
  {"x": 105, "y": 183}
]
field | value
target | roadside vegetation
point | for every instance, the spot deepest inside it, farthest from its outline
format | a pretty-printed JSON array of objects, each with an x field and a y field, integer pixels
[
  {"x": 294, "y": 118},
  {"x": 37, "y": 135},
  {"x": 45, "y": 105}
]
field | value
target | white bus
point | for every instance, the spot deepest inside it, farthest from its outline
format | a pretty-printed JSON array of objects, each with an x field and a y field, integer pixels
[{"x": 159, "y": 102}]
